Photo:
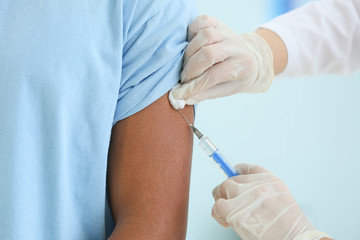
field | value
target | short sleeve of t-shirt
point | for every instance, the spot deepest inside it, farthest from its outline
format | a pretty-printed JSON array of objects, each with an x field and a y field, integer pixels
[{"x": 154, "y": 36}]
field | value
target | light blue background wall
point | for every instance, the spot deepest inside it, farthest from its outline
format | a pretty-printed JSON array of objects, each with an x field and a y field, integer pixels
[{"x": 305, "y": 130}]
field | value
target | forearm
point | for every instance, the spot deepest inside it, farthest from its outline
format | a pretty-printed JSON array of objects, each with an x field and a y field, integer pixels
[
  {"x": 321, "y": 38},
  {"x": 278, "y": 48}
]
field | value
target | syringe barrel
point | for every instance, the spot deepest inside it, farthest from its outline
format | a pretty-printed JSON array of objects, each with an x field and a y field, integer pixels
[
  {"x": 207, "y": 145},
  {"x": 212, "y": 151}
]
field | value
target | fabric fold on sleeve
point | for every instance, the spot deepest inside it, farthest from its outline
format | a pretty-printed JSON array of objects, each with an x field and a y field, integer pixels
[{"x": 152, "y": 55}]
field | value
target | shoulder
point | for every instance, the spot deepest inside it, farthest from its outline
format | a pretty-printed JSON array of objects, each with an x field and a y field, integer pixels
[
  {"x": 160, "y": 16},
  {"x": 141, "y": 10}
]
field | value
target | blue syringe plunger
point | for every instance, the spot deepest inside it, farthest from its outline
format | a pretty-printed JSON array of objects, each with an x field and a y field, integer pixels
[{"x": 212, "y": 151}]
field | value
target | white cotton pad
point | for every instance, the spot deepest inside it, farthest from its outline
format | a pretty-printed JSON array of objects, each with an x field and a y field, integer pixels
[{"x": 176, "y": 103}]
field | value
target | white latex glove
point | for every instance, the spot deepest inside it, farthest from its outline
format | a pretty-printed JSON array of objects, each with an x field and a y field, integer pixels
[
  {"x": 219, "y": 62},
  {"x": 258, "y": 205}
]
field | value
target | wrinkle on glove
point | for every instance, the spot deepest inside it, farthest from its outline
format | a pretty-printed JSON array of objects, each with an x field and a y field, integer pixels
[{"x": 258, "y": 205}]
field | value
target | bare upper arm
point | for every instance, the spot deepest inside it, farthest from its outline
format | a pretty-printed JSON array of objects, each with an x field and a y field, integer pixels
[{"x": 149, "y": 173}]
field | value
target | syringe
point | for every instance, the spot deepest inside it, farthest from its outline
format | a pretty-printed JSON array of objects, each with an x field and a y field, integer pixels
[{"x": 212, "y": 151}]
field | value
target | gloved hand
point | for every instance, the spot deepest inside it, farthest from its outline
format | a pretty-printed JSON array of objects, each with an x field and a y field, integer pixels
[
  {"x": 258, "y": 205},
  {"x": 219, "y": 62}
]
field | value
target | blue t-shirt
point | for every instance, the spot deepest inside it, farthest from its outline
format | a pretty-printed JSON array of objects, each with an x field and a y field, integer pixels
[{"x": 69, "y": 70}]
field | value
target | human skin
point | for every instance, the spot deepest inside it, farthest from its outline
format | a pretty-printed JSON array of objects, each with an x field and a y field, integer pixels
[
  {"x": 278, "y": 48},
  {"x": 149, "y": 173}
]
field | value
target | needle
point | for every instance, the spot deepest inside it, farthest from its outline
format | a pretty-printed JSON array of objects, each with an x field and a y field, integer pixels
[
  {"x": 212, "y": 151},
  {"x": 194, "y": 129},
  {"x": 185, "y": 118}
]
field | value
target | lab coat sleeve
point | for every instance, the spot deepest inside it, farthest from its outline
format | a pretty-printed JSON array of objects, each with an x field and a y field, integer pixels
[{"x": 322, "y": 37}]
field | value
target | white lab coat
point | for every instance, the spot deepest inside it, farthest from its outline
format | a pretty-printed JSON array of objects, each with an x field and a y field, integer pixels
[{"x": 321, "y": 37}]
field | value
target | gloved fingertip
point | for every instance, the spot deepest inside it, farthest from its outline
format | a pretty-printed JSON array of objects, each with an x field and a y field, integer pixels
[
  {"x": 239, "y": 168},
  {"x": 245, "y": 168},
  {"x": 185, "y": 59},
  {"x": 182, "y": 74},
  {"x": 215, "y": 192},
  {"x": 218, "y": 213},
  {"x": 179, "y": 92},
  {"x": 201, "y": 22},
  {"x": 191, "y": 101},
  {"x": 222, "y": 222}
]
